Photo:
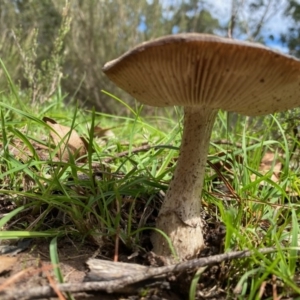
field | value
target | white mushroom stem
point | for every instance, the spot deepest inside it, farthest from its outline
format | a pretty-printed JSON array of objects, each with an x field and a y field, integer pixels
[{"x": 179, "y": 216}]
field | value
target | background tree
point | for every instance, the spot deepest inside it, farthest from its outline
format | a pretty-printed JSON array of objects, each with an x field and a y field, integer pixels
[
  {"x": 192, "y": 16},
  {"x": 291, "y": 38},
  {"x": 248, "y": 18},
  {"x": 102, "y": 30}
]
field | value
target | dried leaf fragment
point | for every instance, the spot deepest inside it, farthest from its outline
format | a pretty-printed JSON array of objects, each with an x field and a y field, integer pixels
[
  {"x": 6, "y": 263},
  {"x": 103, "y": 132},
  {"x": 270, "y": 162},
  {"x": 67, "y": 139}
]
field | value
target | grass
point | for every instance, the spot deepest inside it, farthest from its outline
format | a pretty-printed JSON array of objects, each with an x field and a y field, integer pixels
[{"x": 111, "y": 193}]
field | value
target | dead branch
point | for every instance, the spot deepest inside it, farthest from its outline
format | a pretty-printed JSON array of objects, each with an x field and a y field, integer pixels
[
  {"x": 124, "y": 274},
  {"x": 262, "y": 20},
  {"x": 234, "y": 11}
]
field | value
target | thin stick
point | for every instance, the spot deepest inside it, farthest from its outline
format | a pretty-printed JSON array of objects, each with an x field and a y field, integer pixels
[
  {"x": 53, "y": 284},
  {"x": 137, "y": 150},
  {"x": 30, "y": 271},
  {"x": 117, "y": 239}
]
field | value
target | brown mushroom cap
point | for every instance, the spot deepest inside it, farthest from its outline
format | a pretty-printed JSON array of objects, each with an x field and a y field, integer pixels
[{"x": 194, "y": 69}]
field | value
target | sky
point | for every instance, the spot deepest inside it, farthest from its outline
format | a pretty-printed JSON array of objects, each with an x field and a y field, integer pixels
[{"x": 221, "y": 9}]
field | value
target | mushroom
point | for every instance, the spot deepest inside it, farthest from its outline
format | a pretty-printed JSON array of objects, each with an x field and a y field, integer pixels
[{"x": 203, "y": 73}]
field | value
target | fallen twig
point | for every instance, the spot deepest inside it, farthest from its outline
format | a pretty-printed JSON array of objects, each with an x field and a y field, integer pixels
[
  {"x": 137, "y": 150},
  {"x": 23, "y": 274},
  {"x": 53, "y": 284},
  {"x": 135, "y": 273}
]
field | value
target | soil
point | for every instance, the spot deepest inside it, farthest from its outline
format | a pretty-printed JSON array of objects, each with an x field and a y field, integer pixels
[
  {"x": 72, "y": 264},
  {"x": 33, "y": 268}
]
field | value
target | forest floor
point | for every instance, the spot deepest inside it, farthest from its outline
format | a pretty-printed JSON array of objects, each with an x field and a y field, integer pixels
[{"x": 32, "y": 269}]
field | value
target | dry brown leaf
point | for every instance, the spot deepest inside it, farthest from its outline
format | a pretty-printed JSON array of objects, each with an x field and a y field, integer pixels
[
  {"x": 267, "y": 163},
  {"x": 86, "y": 143},
  {"x": 270, "y": 161},
  {"x": 68, "y": 140},
  {"x": 6, "y": 263},
  {"x": 103, "y": 132}
]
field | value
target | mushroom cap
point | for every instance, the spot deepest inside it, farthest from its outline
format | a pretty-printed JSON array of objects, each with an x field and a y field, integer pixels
[{"x": 194, "y": 69}]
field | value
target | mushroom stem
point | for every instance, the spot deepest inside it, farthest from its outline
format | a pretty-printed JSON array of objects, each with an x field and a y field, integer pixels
[{"x": 179, "y": 216}]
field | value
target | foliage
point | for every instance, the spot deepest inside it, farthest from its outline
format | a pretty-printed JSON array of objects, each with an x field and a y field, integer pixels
[
  {"x": 192, "y": 16},
  {"x": 248, "y": 18},
  {"x": 292, "y": 37}
]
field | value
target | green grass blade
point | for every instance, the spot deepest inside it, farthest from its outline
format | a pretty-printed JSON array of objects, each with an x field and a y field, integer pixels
[
  {"x": 55, "y": 260},
  {"x": 26, "y": 234},
  {"x": 9, "y": 216}
]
